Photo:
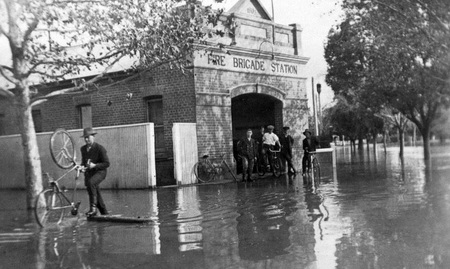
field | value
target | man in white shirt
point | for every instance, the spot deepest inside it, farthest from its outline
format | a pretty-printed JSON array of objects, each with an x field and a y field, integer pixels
[{"x": 269, "y": 141}]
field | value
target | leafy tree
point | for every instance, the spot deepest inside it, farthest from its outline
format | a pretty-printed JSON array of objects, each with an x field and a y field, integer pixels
[
  {"x": 57, "y": 40},
  {"x": 398, "y": 121},
  {"x": 403, "y": 48},
  {"x": 442, "y": 127},
  {"x": 347, "y": 120}
]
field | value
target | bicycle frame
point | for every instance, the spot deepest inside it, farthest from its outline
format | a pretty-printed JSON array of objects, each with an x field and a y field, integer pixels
[
  {"x": 55, "y": 186},
  {"x": 223, "y": 161}
]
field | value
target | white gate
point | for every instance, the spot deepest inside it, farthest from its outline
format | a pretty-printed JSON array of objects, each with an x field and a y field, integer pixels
[{"x": 185, "y": 152}]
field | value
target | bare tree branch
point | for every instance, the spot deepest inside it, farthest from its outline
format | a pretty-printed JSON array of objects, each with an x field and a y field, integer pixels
[
  {"x": 3, "y": 70},
  {"x": 30, "y": 29},
  {"x": 79, "y": 62},
  {"x": 6, "y": 92},
  {"x": 76, "y": 88}
]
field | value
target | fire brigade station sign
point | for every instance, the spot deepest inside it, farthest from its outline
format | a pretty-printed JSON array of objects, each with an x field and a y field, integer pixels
[{"x": 248, "y": 65}]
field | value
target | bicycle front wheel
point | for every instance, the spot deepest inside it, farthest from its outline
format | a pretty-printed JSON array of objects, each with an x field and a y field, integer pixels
[
  {"x": 316, "y": 170},
  {"x": 49, "y": 208},
  {"x": 204, "y": 171},
  {"x": 276, "y": 166}
]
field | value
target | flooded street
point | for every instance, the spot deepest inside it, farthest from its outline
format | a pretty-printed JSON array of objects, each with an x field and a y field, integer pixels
[{"x": 376, "y": 212}]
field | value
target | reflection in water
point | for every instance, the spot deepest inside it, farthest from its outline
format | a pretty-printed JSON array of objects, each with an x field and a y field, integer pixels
[
  {"x": 262, "y": 226},
  {"x": 384, "y": 214},
  {"x": 189, "y": 219}
]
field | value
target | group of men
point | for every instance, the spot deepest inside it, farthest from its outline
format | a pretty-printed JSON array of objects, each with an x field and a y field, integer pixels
[
  {"x": 95, "y": 161},
  {"x": 251, "y": 149}
]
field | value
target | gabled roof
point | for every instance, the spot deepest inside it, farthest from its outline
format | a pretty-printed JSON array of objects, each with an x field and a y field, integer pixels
[{"x": 251, "y": 8}]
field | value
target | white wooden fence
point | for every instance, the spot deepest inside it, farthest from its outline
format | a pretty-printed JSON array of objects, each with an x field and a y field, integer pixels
[
  {"x": 185, "y": 152},
  {"x": 131, "y": 151}
]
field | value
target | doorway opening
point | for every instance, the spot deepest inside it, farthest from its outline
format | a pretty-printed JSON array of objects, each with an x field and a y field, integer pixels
[{"x": 252, "y": 111}]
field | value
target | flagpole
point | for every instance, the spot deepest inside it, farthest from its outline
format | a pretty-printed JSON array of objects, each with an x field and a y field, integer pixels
[{"x": 273, "y": 24}]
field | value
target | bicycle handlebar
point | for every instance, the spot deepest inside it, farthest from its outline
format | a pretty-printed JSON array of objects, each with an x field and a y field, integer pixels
[{"x": 271, "y": 150}]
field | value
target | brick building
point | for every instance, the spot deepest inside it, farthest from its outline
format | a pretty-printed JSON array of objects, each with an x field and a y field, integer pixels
[{"x": 255, "y": 78}]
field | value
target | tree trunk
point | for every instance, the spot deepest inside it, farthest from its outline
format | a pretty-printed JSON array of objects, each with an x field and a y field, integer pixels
[
  {"x": 31, "y": 158},
  {"x": 360, "y": 143},
  {"x": 426, "y": 143},
  {"x": 384, "y": 141},
  {"x": 375, "y": 143},
  {"x": 401, "y": 140}
]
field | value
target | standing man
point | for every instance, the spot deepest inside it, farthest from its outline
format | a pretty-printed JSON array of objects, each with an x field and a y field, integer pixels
[
  {"x": 259, "y": 140},
  {"x": 287, "y": 143},
  {"x": 309, "y": 144},
  {"x": 269, "y": 141},
  {"x": 95, "y": 162},
  {"x": 248, "y": 149}
]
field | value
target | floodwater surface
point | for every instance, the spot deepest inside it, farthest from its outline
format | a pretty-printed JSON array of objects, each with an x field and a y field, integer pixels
[{"x": 373, "y": 211}]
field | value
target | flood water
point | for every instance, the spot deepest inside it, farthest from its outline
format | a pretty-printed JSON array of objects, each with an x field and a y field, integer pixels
[{"x": 373, "y": 212}]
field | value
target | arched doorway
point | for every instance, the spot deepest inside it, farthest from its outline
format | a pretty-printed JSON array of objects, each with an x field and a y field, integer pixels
[{"x": 254, "y": 110}]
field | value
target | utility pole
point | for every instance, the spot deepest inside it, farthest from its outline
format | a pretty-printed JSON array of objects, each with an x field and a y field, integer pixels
[
  {"x": 316, "y": 127},
  {"x": 319, "y": 90}
]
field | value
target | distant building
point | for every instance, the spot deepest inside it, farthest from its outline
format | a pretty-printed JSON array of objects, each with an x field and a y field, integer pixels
[{"x": 257, "y": 78}]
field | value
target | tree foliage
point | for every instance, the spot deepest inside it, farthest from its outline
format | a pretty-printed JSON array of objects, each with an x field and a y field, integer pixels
[
  {"x": 394, "y": 54},
  {"x": 56, "y": 40}
]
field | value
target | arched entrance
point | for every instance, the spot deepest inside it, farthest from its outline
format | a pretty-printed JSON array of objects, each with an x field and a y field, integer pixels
[{"x": 254, "y": 110}]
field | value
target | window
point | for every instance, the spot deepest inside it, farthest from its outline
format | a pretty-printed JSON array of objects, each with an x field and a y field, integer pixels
[
  {"x": 85, "y": 116},
  {"x": 155, "y": 115},
  {"x": 37, "y": 120}
]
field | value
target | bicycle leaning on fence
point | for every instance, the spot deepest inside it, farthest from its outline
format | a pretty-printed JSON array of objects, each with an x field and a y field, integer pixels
[
  {"x": 206, "y": 170},
  {"x": 51, "y": 203},
  {"x": 274, "y": 163}
]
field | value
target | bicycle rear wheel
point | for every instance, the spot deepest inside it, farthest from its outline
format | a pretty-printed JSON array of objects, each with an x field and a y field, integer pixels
[
  {"x": 316, "y": 170},
  {"x": 276, "y": 166},
  {"x": 204, "y": 171},
  {"x": 49, "y": 208}
]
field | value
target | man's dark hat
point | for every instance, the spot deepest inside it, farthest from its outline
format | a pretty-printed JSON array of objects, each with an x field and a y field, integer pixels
[
  {"x": 88, "y": 131},
  {"x": 270, "y": 127},
  {"x": 307, "y": 131},
  {"x": 286, "y": 128}
]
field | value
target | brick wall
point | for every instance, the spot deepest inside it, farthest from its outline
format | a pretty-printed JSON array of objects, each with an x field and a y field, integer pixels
[{"x": 176, "y": 89}]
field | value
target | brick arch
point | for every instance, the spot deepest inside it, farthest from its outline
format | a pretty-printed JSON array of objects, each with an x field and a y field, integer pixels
[{"x": 259, "y": 89}]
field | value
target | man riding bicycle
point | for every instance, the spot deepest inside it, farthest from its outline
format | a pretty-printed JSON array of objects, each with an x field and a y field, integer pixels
[{"x": 270, "y": 140}]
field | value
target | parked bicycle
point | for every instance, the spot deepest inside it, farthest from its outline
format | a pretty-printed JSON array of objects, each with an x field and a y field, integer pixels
[
  {"x": 274, "y": 163},
  {"x": 206, "y": 170},
  {"x": 51, "y": 203}
]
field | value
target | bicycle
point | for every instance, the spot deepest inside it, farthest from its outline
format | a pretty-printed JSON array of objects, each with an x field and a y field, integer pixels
[
  {"x": 315, "y": 167},
  {"x": 205, "y": 170},
  {"x": 275, "y": 163},
  {"x": 51, "y": 203}
]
